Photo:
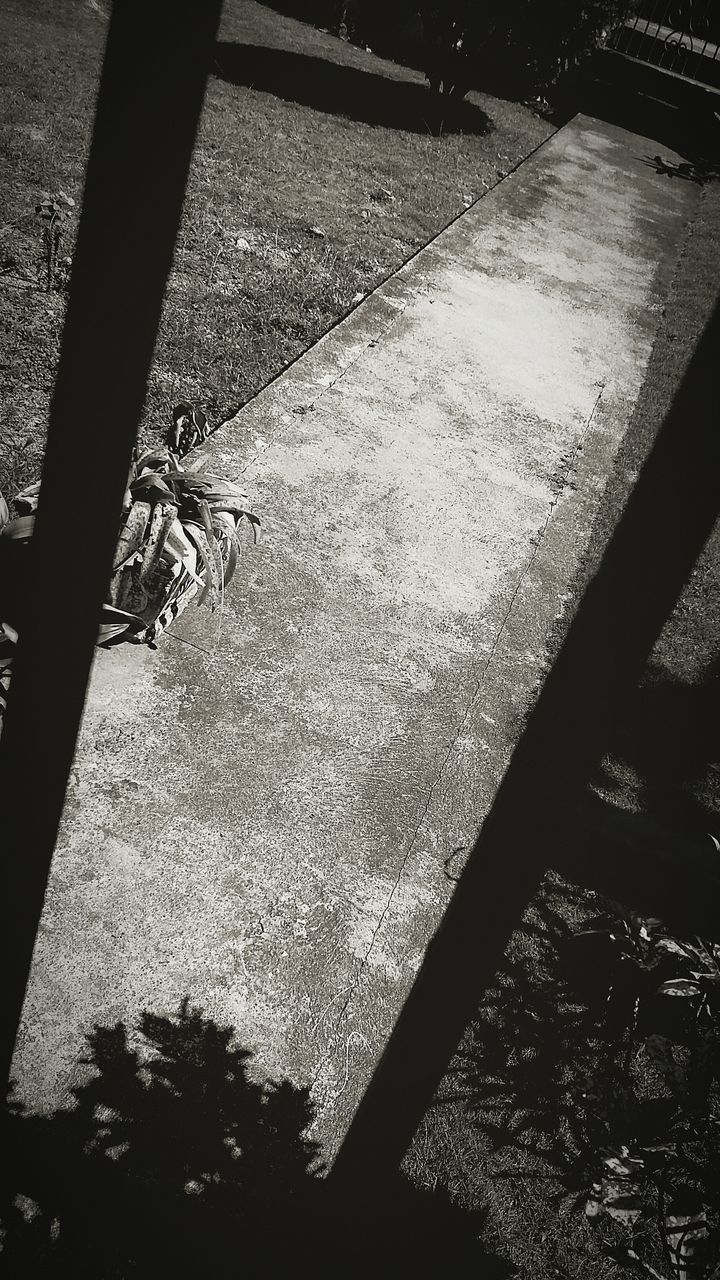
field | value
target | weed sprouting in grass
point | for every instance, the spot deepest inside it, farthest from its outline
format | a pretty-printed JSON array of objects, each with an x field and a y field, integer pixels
[{"x": 53, "y": 211}]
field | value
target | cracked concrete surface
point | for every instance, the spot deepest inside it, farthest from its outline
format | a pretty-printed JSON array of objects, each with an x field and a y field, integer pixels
[{"x": 265, "y": 813}]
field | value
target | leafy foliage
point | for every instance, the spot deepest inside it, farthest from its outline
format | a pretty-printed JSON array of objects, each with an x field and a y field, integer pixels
[
  {"x": 520, "y": 46},
  {"x": 698, "y": 980},
  {"x": 523, "y": 46},
  {"x": 663, "y": 1186},
  {"x": 582, "y": 1070}
]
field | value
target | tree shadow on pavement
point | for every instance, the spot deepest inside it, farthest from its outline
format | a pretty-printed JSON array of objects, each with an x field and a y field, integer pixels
[
  {"x": 688, "y": 127},
  {"x": 174, "y": 1160},
  {"x": 698, "y": 172},
  {"x": 342, "y": 90}
]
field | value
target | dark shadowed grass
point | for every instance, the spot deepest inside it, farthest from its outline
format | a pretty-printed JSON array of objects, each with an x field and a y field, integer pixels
[
  {"x": 338, "y": 89},
  {"x": 316, "y": 173}
]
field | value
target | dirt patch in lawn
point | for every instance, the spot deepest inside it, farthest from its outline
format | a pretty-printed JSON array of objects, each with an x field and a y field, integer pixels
[{"x": 316, "y": 174}]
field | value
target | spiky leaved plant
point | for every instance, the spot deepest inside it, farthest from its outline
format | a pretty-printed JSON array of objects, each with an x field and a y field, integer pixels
[{"x": 178, "y": 540}]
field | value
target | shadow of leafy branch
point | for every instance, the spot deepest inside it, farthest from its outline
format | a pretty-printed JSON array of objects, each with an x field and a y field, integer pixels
[
  {"x": 174, "y": 1160},
  {"x": 171, "y": 1158}
]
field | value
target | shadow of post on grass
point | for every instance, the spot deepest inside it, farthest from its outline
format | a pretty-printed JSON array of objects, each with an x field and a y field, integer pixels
[
  {"x": 519, "y": 1071},
  {"x": 663, "y": 747},
  {"x": 342, "y": 90}
]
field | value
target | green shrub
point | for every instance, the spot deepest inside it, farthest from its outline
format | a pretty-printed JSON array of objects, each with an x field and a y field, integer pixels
[{"x": 519, "y": 47}]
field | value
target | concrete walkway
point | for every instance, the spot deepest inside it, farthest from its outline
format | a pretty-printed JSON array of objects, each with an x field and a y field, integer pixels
[{"x": 266, "y": 814}]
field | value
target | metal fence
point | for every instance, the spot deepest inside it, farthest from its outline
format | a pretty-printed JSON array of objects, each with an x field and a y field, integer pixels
[{"x": 679, "y": 36}]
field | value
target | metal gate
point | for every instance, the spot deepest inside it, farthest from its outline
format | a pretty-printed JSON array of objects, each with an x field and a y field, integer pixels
[{"x": 679, "y": 36}]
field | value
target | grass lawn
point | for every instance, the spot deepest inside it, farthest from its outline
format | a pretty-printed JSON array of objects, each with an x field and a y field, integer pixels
[
  {"x": 511, "y": 1127},
  {"x": 315, "y": 175}
]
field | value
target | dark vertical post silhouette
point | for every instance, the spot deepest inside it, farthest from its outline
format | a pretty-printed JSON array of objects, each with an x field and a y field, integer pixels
[
  {"x": 532, "y": 825},
  {"x": 149, "y": 103}
]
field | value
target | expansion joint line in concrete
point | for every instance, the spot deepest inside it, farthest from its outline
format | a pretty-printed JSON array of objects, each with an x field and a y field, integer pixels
[
  {"x": 301, "y": 409},
  {"x": 537, "y": 543},
  {"x": 400, "y": 309}
]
